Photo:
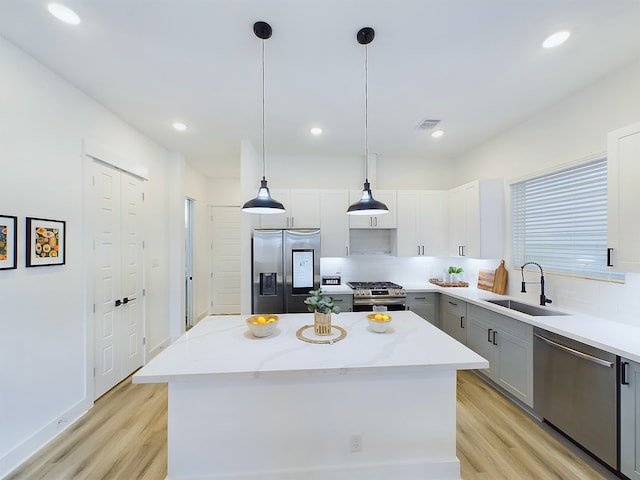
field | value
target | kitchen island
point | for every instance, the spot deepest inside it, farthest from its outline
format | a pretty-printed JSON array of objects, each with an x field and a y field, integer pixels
[{"x": 370, "y": 406}]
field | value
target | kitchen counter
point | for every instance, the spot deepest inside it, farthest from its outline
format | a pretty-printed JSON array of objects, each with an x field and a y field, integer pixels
[
  {"x": 615, "y": 337},
  {"x": 371, "y": 406}
]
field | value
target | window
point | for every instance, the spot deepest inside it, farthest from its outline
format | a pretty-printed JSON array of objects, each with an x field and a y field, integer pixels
[{"x": 559, "y": 220}]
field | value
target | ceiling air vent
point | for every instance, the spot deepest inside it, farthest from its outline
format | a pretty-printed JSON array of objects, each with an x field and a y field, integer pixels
[{"x": 427, "y": 124}]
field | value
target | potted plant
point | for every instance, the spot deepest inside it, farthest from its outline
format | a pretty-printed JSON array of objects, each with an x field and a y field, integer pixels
[
  {"x": 322, "y": 307},
  {"x": 453, "y": 274}
]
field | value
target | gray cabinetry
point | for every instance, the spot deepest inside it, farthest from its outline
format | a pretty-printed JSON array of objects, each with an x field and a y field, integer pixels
[
  {"x": 344, "y": 301},
  {"x": 423, "y": 304},
  {"x": 630, "y": 419},
  {"x": 508, "y": 346},
  {"x": 453, "y": 318}
]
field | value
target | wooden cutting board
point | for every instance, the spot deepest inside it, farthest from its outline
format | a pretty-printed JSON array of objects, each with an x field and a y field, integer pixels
[
  {"x": 500, "y": 279},
  {"x": 493, "y": 280},
  {"x": 486, "y": 279}
]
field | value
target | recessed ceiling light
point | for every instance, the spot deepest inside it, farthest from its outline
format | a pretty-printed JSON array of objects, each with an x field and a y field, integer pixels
[
  {"x": 556, "y": 39},
  {"x": 64, "y": 14},
  {"x": 315, "y": 131},
  {"x": 437, "y": 133},
  {"x": 181, "y": 127}
]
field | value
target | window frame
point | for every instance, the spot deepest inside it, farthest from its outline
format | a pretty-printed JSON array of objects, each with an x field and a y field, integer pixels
[{"x": 530, "y": 199}]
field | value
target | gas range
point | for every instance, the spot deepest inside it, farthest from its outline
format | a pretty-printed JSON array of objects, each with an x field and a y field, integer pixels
[{"x": 366, "y": 295}]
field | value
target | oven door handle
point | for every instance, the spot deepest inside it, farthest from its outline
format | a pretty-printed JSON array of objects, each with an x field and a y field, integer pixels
[{"x": 576, "y": 353}]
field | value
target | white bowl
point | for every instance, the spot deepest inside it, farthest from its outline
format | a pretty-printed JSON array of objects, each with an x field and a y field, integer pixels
[
  {"x": 379, "y": 322},
  {"x": 262, "y": 325}
]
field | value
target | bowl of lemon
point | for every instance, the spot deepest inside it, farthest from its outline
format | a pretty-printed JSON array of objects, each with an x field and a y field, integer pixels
[
  {"x": 262, "y": 325},
  {"x": 379, "y": 322}
]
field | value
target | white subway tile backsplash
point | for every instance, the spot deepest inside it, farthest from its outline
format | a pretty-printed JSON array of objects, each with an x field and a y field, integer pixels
[{"x": 613, "y": 301}]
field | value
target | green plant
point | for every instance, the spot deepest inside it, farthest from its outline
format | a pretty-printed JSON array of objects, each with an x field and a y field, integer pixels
[
  {"x": 318, "y": 301},
  {"x": 455, "y": 270}
]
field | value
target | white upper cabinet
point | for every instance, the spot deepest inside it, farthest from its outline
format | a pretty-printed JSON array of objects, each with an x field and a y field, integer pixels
[
  {"x": 476, "y": 219},
  {"x": 334, "y": 223},
  {"x": 302, "y": 209},
  {"x": 387, "y": 220},
  {"x": 422, "y": 223},
  {"x": 623, "y": 159}
]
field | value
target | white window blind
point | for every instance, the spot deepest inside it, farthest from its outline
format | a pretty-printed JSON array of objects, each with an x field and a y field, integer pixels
[{"x": 559, "y": 220}]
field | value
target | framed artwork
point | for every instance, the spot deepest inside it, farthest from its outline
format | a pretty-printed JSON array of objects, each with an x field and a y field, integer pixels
[
  {"x": 45, "y": 242},
  {"x": 8, "y": 242}
]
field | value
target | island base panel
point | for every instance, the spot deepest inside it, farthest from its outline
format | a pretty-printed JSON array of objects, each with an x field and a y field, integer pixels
[{"x": 301, "y": 427}]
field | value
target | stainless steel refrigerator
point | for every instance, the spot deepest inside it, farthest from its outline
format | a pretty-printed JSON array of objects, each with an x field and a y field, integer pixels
[{"x": 286, "y": 265}]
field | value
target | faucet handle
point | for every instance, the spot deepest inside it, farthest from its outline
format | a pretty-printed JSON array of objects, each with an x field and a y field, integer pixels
[{"x": 544, "y": 300}]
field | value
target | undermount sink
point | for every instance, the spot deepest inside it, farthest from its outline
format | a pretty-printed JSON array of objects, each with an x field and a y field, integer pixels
[{"x": 532, "y": 310}]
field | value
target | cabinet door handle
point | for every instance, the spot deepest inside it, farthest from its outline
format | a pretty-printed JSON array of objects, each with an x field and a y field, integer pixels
[
  {"x": 609, "y": 250},
  {"x": 495, "y": 339},
  {"x": 461, "y": 322},
  {"x": 118, "y": 302},
  {"x": 422, "y": 249},
  {"x": 623, "y": 373},
  {"x": 418, "y": 249},
  {"x": 292, "y": 222},
  {"x": 489, "y": 335},
  {"x": 376, "y": 218},
  {"x": 461, "y": 250},
  {"x": 347, "y": 250},
  {"x": 421, "y": 298},
  {"x": 451, "y": 303}
]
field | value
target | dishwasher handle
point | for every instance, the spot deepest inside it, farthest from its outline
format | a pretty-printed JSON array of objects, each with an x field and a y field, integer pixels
[{"x": 577, "y": 353}]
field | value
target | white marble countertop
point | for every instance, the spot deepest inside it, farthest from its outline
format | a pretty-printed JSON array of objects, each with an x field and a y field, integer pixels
[
  {"x": 615, "y": 337},
  {"x": 223, "y": 346}
]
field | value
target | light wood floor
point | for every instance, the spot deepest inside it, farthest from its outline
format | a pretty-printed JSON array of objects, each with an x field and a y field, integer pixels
[{"x": 125, "y": 437}]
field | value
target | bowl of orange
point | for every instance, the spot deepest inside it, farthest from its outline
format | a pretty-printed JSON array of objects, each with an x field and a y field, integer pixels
[
  {"x": 262, "y": 325},
  {"x": 379, "y": 322}
]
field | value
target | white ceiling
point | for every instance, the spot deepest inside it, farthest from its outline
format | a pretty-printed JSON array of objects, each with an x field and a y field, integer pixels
[{"x": 475, "y": 64}]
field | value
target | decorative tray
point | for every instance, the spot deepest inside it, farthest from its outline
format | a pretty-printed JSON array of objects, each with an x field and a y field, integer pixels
[
  {"x": 436, "y": 281},
  {"x": 306, "y": 334}
]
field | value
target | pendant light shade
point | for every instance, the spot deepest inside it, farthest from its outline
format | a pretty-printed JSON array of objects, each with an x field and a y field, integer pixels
[
  {"x": 263, "y": 203},
  {"x": 367, "y": 205}
]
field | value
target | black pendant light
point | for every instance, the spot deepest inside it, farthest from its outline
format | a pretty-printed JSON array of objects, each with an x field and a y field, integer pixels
[
  {"x": 263, "y": 203},
  {"x": 367, "y": 205}
]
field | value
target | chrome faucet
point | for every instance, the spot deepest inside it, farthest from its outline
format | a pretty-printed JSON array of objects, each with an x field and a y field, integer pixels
[{"x": 543, "y": 300}]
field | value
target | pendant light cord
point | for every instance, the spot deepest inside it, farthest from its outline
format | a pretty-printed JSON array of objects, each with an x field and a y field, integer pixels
[
  {"x": 366, "y": 113},
  {"x": 264, "y": 161}
]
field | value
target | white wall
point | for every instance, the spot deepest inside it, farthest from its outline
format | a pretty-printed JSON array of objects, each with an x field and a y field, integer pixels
[
  {"x": 385, "y": 172},
  {"x": 45, "y": 351},
  {"x": 570, "y": 130}
]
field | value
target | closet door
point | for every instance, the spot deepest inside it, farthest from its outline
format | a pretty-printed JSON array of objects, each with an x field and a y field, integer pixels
[{"x": 118, "y": 317}]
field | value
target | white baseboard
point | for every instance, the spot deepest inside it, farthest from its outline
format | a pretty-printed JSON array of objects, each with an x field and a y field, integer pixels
[
  {"x": 157, "y": 349},
  {"x": 21, "y": 453}
]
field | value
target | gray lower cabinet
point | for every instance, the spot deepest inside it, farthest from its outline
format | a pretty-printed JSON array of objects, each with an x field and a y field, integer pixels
[
  {"x": 453, "y": 318},
  {"x": 508, "y": 346},
  {"x": 423, "y": 304},
  {"x": 344, "y": 301},
  {"x": 630, "y": 419}
]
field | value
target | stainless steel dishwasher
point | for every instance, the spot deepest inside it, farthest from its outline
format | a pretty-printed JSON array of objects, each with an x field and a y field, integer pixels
[{"x": 575, "y": 390}]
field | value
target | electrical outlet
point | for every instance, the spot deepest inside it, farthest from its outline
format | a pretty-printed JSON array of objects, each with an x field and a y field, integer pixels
[{"x": 356, "y": 442}]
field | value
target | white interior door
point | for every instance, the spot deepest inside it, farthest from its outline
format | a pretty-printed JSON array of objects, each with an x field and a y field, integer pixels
[
  {"x": 188, "y": 264},
  {"x": 118, "y": 318},
  {"x": 225, "y": 259}
]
